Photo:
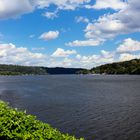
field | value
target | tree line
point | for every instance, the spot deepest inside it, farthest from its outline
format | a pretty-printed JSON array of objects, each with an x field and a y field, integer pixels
[{"x": 126, "y": 67}]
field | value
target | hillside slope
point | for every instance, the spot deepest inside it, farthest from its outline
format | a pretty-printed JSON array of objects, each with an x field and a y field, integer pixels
[
  {"x": 126, "y": 67},
  {"x": 32, "y": 70}
]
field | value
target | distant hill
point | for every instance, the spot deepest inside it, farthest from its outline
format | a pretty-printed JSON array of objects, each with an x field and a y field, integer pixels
[
  {"x": 30, "y": 70},
  {"x": 59, "y": 70},
  {"x": 20, "y": 70},
  {"x": 126, "y": 67}
]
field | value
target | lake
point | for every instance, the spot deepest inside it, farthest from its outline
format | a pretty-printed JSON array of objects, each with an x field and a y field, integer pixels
[{"x": 99, "y": 107}]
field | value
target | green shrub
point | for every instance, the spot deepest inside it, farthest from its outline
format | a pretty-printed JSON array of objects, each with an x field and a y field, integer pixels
[{"x": 17, "y": 125}]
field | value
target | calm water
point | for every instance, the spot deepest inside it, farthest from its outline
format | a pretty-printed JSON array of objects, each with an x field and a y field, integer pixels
[{"x": 99, "y": 107}]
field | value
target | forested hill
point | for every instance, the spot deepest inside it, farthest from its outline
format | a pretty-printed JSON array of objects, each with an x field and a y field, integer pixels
[
  {"x": 59, "y": 70},
  {"x": 29, "y": 70},
  {"x": 126, "y": 67},
  {"x": 20, "y": 70}
]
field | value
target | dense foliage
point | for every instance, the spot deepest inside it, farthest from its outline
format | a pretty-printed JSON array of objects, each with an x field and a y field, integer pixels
[
  {"x": 59, "y": 70},
  {"x": 23, "y": 70},
  {"x": 17, "y": 125},
  {"x": 20, "y": 70},
  {"x": 127, "y": 67}
]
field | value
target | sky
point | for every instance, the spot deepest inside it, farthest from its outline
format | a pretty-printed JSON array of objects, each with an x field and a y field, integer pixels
[{"x": 69, "y": 33}]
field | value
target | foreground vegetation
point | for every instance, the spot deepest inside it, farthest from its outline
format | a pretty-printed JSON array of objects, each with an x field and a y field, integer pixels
[
  {"x": 17, "y": 125},
  {"x": 126, "y": 67}
]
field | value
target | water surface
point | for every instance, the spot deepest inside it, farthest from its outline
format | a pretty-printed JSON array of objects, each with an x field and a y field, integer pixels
[{"x": 95, "y": 107}]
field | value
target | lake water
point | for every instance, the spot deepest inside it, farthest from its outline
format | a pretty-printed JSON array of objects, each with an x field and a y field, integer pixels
[{"x": 99, "y": 107}]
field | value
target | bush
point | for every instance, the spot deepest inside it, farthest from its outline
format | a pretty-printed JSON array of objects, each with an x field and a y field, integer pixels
[{"x": 17, "y": 125}]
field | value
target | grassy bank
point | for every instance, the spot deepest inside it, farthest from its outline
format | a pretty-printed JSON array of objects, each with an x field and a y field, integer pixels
[{"x": 17, "y": 125}]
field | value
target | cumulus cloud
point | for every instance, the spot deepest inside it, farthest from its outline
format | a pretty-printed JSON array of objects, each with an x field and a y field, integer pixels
[
  {"x": 124, "y": 21},
  {"x": 95, "y": 60},
  {"x": 49, "y": 35},
  {"x": 62, "y": 4},
  {"x": 125, "y": 51},
  {"x": 128, "y": 49},
  {"x": 104, "y": 4},
  {"x": 16, "y": 8},
  {"x": 10, "y": 54},
  {"x": 107, "y": 54},
  {"x": 127, "y": 56},
  {"x": 129, "y": 45},
  {"x": 109, "y": 26},
  {"x": 62, "y": 53},
  {"x": 84, "y": 43},
  {"x": 67, "y": 62}
]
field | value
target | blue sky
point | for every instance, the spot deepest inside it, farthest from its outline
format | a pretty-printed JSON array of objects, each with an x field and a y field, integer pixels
[{"x": 69, "y": 33}]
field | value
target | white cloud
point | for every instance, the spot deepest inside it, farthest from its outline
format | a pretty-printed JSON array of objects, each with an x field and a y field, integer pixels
[
  {"x": 127, "y": 56},
  {"x": 78, "y": 56},
  {"x": 129, "y": 45},
  {"x": 16, "y": 8},
  {"x": 107, "y": 54},
  {"x": 94, "y": 60},
  {"x": 49, "y": 35},
  {"x": 84, "y": 43},
  {"x": 128, "y": 49},
  {"x": 10, "y": 54},
  {"x": 62, "y": 4},
  {"x": 62, "y": 53},
  {"x": 104, "y": 28},
  {"x": 105, "y": 57},
  {"x": 104, "y": 4},
  {"x": 50, "y": 15},
  {"x": 81, "y": 19},
  {"x": 109, "y": 26},
  {"x": 67, "y": 62}
]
